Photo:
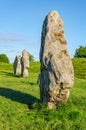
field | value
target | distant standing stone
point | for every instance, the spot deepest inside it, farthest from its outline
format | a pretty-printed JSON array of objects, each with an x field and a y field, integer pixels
[
  {"x": 17, "y": 65},
  {"x": 25, "y": 63},
  {"x": 57, "y": 74}
]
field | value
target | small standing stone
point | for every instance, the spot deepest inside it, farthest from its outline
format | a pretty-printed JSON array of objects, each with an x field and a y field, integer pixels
[
  {"x": 57, "y": 74},
  {"x": 25, "y": 63},
  {"x": 17, "y": 65}
]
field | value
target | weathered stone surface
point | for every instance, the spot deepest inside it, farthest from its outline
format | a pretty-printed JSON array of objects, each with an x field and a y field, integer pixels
[
  {"x": 25, "y": 63},
  {"x": 17, "y": 65},
  {"x": 57, "y": 74}
]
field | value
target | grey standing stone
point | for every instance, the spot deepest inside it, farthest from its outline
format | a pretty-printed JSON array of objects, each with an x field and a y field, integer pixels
[
  {"x": 57, "y": 75},
  {"x": 17, "y": 65},
  {"x": 25, "y": 63}
]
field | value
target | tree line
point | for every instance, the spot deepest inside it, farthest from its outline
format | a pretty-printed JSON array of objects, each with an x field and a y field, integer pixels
[
  {"x": 5, "y": 59},
  {"x": 79, "y": 53}
]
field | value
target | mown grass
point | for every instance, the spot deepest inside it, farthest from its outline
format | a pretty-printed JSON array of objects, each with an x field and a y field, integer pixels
[
  {"x": 20, "y": 108},
  {"x": 80, "y": 67}
]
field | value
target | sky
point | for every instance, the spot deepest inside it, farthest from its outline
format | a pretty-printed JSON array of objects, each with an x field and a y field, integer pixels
[{"x": 21, "y": 24}]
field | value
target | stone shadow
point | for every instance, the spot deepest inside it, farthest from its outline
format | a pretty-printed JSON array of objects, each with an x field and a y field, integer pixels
[
  {"x": 18, "y": 96},
  {"x": 31, "y": 83},
  {"x": 9, "y": 74}
]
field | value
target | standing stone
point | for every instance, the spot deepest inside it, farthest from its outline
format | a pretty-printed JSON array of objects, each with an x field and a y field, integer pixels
[
  {"x": 17, "y": 65},
  {"x": 57, "y": 74},
  {"x": 25, "y": 63}
]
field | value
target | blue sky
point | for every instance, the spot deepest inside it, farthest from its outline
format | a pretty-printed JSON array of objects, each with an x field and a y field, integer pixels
[{"x": 21, "y": 24}]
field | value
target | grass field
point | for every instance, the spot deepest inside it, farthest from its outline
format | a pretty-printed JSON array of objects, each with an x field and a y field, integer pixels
[
  {"x": 80, "y": 67},
  {"x": 20, "y": 108}
]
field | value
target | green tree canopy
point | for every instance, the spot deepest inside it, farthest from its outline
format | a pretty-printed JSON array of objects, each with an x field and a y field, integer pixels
[
  {"x": 4, "y": 58},
  {"x": 31, "y": 58},
  {"x": 80, "y": 52}
]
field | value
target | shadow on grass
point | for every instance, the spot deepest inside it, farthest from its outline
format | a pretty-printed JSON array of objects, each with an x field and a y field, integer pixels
[
  {"x": 18, "y": 96},
  {"x": 31, "y": 83},
  {"x": 9, "y": 74}
]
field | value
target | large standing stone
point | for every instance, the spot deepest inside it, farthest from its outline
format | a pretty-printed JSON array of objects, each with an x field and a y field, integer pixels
[
  {"x": 25, "y": 63},
  {"x": 57, "y": 74},
  {"x": 17, "y": 65}
]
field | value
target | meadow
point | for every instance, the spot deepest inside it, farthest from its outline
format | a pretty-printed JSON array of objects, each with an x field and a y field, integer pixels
[{"x": 20, "y": 108}]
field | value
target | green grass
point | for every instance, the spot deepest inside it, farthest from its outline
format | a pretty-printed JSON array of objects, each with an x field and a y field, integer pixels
[
  {"x": 80, "y": 67},
  {"x": 20, "y": 108}
]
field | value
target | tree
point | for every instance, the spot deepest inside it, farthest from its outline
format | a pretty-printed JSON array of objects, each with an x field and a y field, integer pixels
[
  {"x": 4, "y": 58},
  {"x": 31, "y": 58},
  {"x": 80, "y": 52}
]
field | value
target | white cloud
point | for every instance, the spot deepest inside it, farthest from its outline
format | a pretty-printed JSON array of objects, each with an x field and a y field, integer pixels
[
  {"x": 3, "y": 33},
  {"x": 10, "y": 37}
]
